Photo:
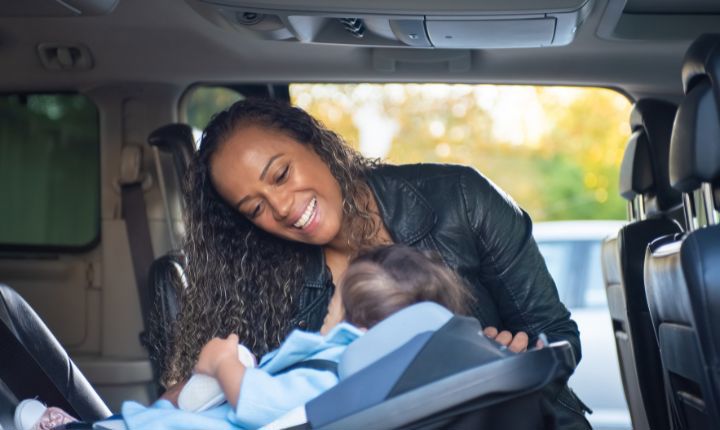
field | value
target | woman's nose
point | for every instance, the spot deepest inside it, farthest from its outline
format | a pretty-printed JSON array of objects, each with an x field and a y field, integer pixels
[{"x": 280, "y": 202}]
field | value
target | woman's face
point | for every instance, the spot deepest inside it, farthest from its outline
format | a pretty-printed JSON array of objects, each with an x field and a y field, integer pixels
[{"x": 279, "y": 184}]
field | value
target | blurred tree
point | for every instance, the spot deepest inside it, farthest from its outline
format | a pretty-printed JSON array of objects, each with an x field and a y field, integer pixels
[
  {"x": 203, "y": 102},
  {"x": 555, "y": 150}
]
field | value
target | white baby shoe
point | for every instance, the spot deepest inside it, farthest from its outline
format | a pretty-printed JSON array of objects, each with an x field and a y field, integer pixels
[
  {"x": 31, "y": 414},
  {"x": 203, "y": 392}
]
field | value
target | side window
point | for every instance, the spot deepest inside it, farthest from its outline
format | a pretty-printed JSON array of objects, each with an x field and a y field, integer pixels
[
  {"x": 49, "y": 171},
  {"x": 202, "y": 102}
]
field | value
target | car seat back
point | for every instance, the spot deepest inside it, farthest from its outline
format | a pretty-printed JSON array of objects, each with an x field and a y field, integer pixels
[
  {"x": 388, "y": 334},
  {"x": 681, "y": 271},
  {"x": 441, "y": 377},
  {"x": 644, "y": 183},
  {"x": 33, "y": 364},
  {"x": 167, "y": 272}
]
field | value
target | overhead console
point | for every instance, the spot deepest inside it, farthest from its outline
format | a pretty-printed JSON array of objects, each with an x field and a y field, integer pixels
[{"x": 449, "y": 24}]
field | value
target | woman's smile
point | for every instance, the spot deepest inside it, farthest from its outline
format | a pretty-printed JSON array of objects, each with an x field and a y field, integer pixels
[{"x": 308, "y": 215}]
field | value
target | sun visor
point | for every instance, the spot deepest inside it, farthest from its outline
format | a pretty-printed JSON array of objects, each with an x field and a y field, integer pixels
[{"x": 450, "y": 25}]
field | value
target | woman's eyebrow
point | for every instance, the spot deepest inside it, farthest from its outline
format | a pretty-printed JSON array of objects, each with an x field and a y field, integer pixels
[
  {"x": 267, "y": 166},
  {"x": 262, "y": 177}
]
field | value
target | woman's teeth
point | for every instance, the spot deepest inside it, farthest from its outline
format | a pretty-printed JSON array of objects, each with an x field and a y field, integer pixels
[{"x": 305, "y": 218}]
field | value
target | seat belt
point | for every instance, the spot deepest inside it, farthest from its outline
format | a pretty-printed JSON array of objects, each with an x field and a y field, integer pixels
[
  {"x": 315, "y": 364},
  {"x": 24, "y": 376},
  {"x": 134, "y": 214}
]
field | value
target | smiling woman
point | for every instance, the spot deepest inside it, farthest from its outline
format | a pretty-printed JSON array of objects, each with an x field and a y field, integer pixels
[
  {"x": 278, "y": 204},
  {"x": 283, "y": 187}
]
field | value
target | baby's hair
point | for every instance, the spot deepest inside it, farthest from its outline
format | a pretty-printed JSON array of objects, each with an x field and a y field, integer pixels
[{"x": 386, "y": 279}]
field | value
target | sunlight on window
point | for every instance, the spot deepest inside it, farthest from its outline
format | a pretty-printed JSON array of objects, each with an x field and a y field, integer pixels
[{"x": 556, "y": 150}]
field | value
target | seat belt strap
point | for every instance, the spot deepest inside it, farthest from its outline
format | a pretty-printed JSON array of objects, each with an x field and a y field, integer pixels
[{"x": 138, "y": 230}]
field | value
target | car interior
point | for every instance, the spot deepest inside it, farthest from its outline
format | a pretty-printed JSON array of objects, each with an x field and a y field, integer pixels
[{"x": 91, "y": 211}]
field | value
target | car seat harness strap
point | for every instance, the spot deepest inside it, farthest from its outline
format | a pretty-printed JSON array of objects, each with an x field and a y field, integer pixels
[{"x": 316, "y": 364}]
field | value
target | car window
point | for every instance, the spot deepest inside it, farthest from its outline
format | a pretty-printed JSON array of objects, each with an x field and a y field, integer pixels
[
  {"x": 555, "y": 150},
  {"x": 200, "y": 103},
  {"x": 49, "y": 171}
]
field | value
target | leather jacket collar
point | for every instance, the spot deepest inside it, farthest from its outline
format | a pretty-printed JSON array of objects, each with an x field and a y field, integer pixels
[{"x": 406, "y": 213}]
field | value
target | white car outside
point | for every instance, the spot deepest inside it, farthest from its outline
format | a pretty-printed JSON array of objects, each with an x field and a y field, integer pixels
[{"x": 572, "y": 253}]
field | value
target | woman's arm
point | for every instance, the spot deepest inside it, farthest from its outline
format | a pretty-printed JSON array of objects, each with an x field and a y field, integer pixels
[{"x": 511, "y": 265}]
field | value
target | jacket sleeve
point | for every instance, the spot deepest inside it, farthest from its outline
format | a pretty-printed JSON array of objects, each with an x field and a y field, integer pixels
[
  {"x": 264, "y": 397},
  {"x": 511, "y": 265}
]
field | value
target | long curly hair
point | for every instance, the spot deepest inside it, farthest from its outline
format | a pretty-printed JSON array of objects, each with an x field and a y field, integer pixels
[{"x": 241, "y": 279}]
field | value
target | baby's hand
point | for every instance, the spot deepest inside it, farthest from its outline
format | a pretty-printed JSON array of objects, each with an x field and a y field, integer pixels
[{"x": 216, "y": 352}]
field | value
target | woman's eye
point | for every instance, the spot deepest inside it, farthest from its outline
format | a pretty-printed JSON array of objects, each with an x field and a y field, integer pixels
[
  {"x": 283, "y": 175},
  {"x": 256, "y": 211}
]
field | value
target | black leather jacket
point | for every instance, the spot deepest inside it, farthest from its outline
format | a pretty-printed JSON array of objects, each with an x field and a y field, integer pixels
[{"x": 481, "y": 233}]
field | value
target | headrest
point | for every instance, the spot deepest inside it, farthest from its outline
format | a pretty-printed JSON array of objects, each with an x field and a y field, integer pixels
[
  {"x": 390, "y": 333},
  {"x": 177, "y": 140},
  {"x": 695, "y": 143},
  {"x": 702, "y": 60},
  {"x": 644, "y": 169}
]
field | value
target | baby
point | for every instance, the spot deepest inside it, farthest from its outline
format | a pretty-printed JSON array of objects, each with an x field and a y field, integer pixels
[{"x": 377, "y": 283}]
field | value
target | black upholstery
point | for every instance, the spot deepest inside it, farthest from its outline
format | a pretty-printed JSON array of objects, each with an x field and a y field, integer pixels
[
  {"x": 647, "y": 153},
  {"x": 167, "y": 273},
  {"x": 177, "y": 140},
  {"x": 698, "y": 121},
  {"x": 684, "y": 294},
  {"x": 643, "y": 174},
  {"x": 682, "y": 272},
  {"x": 167, "y": 279},
  {"x": 46, "y": 371}
]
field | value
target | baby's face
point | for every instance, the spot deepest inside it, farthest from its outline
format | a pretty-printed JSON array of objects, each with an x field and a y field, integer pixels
[{"x": 335, "y": 312}]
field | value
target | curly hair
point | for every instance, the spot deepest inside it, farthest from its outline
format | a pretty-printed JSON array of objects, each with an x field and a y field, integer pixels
[{"x": 241, "y": 279}]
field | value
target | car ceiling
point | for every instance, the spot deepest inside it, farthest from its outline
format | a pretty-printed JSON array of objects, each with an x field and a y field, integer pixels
[{"x": 636, "y": 46}]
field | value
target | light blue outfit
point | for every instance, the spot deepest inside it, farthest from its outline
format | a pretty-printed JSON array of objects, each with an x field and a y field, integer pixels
[{"x": 264, "y": 397}]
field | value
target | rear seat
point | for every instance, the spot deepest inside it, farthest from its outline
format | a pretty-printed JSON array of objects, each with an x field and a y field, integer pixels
[
  {"x": 35, "y": 365},
  {"x": 167, "y": 273},
  {"x": 682, "y": 271},
  {"x": 644, "y": 183}
]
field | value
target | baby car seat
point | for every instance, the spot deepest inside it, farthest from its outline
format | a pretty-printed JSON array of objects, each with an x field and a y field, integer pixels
[
  {"x": 33, "y": 364},
  {"x": 445, "y": 374}
]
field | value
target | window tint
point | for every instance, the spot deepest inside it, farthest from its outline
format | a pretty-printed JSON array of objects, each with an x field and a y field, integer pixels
[{"x": 49, "y": 171}]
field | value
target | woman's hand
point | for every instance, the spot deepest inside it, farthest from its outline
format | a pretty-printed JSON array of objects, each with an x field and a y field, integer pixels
[
  {"x": 517, "y": 343},
  {"x": 217, "y": 352}
]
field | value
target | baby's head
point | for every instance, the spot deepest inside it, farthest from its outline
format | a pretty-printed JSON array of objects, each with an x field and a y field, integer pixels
[{"x": 384, "y": 280}]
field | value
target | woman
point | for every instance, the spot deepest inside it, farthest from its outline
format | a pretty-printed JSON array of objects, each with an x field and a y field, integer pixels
[{"x": 277, "y": 205}]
